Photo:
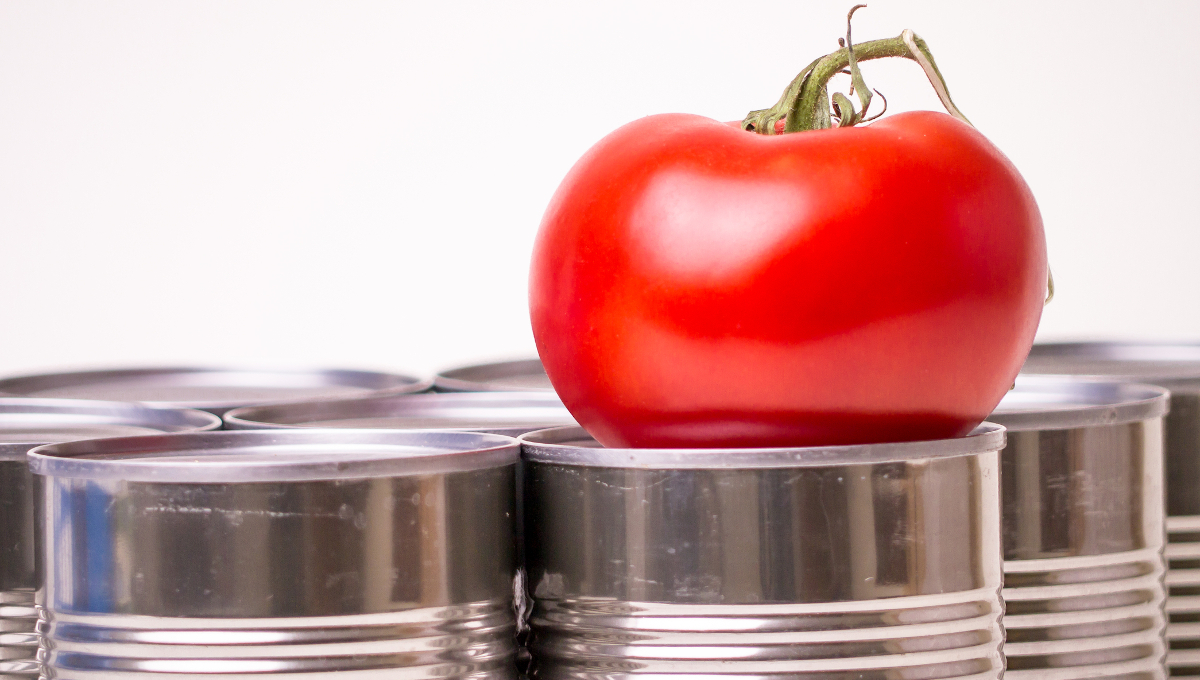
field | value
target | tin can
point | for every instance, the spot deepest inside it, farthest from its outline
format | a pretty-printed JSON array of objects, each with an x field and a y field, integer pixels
[
  {"x": 866, "y": 562},
  {"x": 25, "y": 424},
  {"x": 280, "y": 554},
  {"x": 1082, "y": 490},
  {"x": 505, "y": 376},
  {"x": 1177, "y": 368},
  {"x": 215, "y": 390},
  {"x": 508, "y": 413}
]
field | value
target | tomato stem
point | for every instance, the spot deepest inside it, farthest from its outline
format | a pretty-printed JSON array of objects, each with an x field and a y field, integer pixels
[
  {"x": 805, "y": 104},
  {"x": 847, "y": 116}
]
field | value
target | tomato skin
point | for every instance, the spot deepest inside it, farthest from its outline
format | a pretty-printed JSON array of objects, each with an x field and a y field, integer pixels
[{"x": 696, "y": 285}]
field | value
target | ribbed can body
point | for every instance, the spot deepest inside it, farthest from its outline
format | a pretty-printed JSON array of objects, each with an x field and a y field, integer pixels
[
  {"x": 380, "y": 576},
  {"x": 462, "y": 641},
  {"x": 1183, "y": 530},
  {"x": 18, "y": 582},
  {"x": 1175, "y": 367},
  {"x": 1083, "y": 540},
  {"x": 876, "y": 570}
]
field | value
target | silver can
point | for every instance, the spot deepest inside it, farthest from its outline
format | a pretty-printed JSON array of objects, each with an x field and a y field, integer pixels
[
  {"x": 1177, "y": 368},
  {"x": 215, "y": 390},
  {"x": 509, "y": 413},
  {"x": 25, "y": 424},
  {"x": 505, "y": 376},
  {"x": 867, "y": 562},
  {"x": 278, "y": 554},
  {"x": 1083, "y": 529}
]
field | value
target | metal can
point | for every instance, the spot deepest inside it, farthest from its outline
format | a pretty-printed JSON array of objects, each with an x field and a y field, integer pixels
[
  {"x": 1177, "y": 368},
  {"x": 867, "y": 562},
  {"x": 215, "y": 390},
  {"x": 1082, "y": 491},
  {"x": 25, "y": 424},
  {"x": 505, "y": 376},
  {"x": 509, "y": 413},
  {"x": 278, "y": 554}
]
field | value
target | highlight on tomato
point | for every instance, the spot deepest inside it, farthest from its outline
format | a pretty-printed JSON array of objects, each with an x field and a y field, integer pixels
[{"x": 814, "y": 275}]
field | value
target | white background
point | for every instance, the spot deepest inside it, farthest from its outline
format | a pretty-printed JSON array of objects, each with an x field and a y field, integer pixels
[{"x": 358, "y": 184}]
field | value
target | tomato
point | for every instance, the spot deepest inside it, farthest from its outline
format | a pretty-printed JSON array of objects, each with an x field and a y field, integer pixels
[{"x": 696, "y": 285}]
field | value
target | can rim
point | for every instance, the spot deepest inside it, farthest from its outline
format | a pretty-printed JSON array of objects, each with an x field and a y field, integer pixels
[
  {"x": 569, "y": 446},
  {"x": 501, "y": 407},
  {"x": 249, "y": 456},
  {"x": 96, "y": 412},
  {"x": 31, "y": 385},
  {"x": 468, "y": 378},
  {"x": 1053, "y": 402},
  {"x": 1182, "y": 359}
]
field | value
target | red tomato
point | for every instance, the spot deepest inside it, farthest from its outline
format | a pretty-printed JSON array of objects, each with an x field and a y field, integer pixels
[{"x": 696, "y": 285}]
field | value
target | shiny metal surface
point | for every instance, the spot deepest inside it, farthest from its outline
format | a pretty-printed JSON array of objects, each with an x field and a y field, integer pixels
[
  {"x": 840, "y": 565},
  {"x": 1082, "y": 490},
  {"x": 505, "y": 376},
  {"x": 1176, "y": 367},
  {"x": 215, "y": 390},
  {"x": 1065, "y": 403},
  {"x": 1147, "y": 362},
  {"x": 365, "y": 553},
  {"x": 24, "y": 424},
  {"x": 508, "y": 413}
]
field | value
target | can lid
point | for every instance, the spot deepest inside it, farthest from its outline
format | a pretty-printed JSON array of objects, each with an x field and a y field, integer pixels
[
  {"x": 505, "y": 376},
  {"x": 274, "y": 455},
  {"x": 26, "y": 423},
  {"x": 1061, "y": 403},
  {"x": 511, "y": 413},
  {"x": 212, "y": 389},
  {"x": 1168, "y": 364},
  {"x": 574, "y": 446}
]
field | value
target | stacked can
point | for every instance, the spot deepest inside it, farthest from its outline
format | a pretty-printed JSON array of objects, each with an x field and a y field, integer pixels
[
  {"x": 280, "y": 554},
  {"x": 505, "y": 376},
  {"x": 1177, "y": 368},
  {"x": 215, "y": 390},
  {"x": 1083, "y": 529},
  {"x": 25, "y": 424},
  {"x": 508, "y": 413},
  {"x": 865, "y": 562}
]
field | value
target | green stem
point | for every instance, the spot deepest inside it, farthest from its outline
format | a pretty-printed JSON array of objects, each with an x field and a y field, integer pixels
[
  {"x": 805, "y": 103},
  {"x": 763, "y": 120},
  {"x": 858, "y": 86}
]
